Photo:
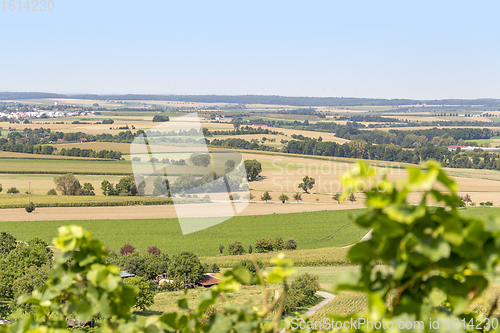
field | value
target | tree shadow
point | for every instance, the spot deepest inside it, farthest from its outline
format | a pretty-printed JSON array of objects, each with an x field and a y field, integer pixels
[{"x": 147, "y": 313}]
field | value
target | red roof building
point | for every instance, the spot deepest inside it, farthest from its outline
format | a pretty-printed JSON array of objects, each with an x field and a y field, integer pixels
[{"x": 209, "y": 280}]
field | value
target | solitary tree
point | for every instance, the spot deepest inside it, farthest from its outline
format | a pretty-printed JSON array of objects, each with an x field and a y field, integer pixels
[
  {"x": 253, "y": 168},
  {"x": 336, "y": 197},
  {"x": 221, "y": 248},
  {"x": 351, "y": 198},
  {"x": 283, "y": 198},
  {"x": 467, "y": 199},
  {"x": 266, "y": 197},
  {"x": 68, "y": 184},
  {"x": 307, "y": 183},
  {"x": 297, "y": 197}
]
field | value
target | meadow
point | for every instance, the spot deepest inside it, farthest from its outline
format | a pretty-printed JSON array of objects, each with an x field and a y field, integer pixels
[{"x": 312, "y": 230}]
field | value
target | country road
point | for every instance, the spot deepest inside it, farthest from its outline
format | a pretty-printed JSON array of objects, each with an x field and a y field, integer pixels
[{"x": 327, "y": 299}]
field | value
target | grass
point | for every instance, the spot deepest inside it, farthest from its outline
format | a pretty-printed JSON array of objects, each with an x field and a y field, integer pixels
[{"x": 313, "y": 230}]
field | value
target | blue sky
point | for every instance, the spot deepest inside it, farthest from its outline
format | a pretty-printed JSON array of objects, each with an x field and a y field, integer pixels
[{"x": 380, "y": 49}]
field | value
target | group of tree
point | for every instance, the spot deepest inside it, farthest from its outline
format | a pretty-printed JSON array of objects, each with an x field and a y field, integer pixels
[
  {"x": 237, "y": 143},
  {"x": 68, "y": 185},
  {"x": 126, "y": 186},
  {"x": 23, "y": 269},
  {"x": 240, "y": 131},
  {"x": 417, "y": 138},
  {"x": 262, "y": 245},
  {"x": 109, "y": 154},
  {"x": 160, "y": 118}
]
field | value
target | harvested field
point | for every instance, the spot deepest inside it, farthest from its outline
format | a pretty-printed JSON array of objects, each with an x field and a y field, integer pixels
[{"x": 151, "y": 212}]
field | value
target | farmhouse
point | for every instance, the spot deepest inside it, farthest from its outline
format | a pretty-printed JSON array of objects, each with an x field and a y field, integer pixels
[{"x": 209, "y": 280}]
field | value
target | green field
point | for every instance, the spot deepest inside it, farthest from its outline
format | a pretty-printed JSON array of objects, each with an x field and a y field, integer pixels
[{"x": 312, "y": 230}]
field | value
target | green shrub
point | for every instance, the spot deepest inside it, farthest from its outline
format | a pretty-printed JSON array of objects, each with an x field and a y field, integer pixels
[
  {"x": 186, "y": 264},
  {"x": 1, "y": 188},
  {"x": 30, "y": 207},
  {"x": 88, "y": 189},
  {"x": 290, "y": 244},
  {"x": 250, "y": 265},
  {"x": 52, "y": 192},
  {"x": 145, "y": 297},
  {"x": 214, "y": 268},
  {"x": 236, "y": 248},
  {"x": 263, "y": 245},
  {"x": 12, "y": 190},
  {"x": 301, "y": 290},
  {"x": 277, "y": 243}
]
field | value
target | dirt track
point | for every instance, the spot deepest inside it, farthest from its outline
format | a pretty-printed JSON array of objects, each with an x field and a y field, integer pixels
[{"x": 152, "y": 212}]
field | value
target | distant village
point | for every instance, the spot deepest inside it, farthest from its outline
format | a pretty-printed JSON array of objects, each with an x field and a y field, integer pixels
[{"x": 22, "y": 113}]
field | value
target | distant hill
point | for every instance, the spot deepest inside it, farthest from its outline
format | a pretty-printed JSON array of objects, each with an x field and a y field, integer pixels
[{"x": 258, "y": 99}]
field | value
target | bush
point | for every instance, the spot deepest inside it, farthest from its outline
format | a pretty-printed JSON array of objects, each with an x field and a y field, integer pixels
[
  {"x": 186, "y": 264},
  {"x": 488, "y": 203},
  {"x": 144, "y": 264},
  {"x": 277, "y": 243},
  {"x": 145, "y": 297},
  {"x": 236, "y": 248},
  {"x": 126, "y": 249},
  {"x": 250, "y": 249},
  {"x": 1, "y": 188},
  {"x": 300, "y": 292},
  {"x": 214, "y": 268},
  {"x": 154, "y": 250},
  {"x": 221, "y": 248},
  {"x": 290, "y": 244},
  {"x": 263, "y": 245},
  {"x": 250, "y": 265},
  {"x": 12, "y": 190},
  {"x": 136, "y": 159},
  {"x": 30, "y": 207},
  {"x": 52, "y": 192}
]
